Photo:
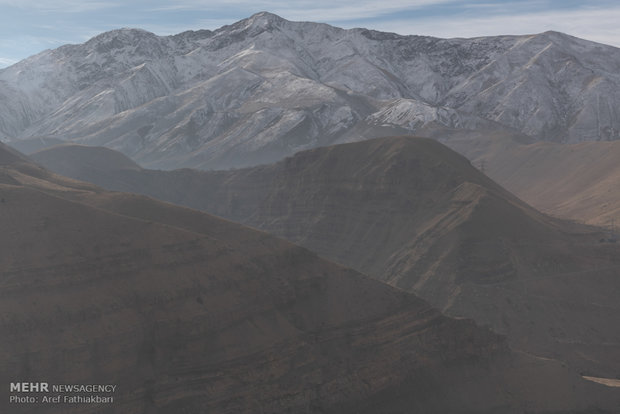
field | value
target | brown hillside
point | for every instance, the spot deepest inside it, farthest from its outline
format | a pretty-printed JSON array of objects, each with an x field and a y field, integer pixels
[
  {"x": 189, "y": 313},
  {"x": 417, "y": 215},
  {"x": 578, "y": 181},
  {"x": 571, "y": 181}
]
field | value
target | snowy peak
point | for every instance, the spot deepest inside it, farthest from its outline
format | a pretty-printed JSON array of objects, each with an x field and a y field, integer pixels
[
  {"x": 192, "y": 36},
  {"x": 252, "y": 26},
  {"x": 264, "y": 87},
  {"x": 263, "y": 19},
  {"x": 121, "y": 37},
  {"x": 124, "y": 44}
]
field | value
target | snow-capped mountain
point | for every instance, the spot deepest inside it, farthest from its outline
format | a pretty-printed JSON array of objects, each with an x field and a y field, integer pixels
[{"x": 264, "y": 88}]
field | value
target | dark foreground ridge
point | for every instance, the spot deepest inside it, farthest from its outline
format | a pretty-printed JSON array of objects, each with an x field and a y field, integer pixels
[
  {"x": 414, "y": 214},
  {"x": 185, "y": 312}
]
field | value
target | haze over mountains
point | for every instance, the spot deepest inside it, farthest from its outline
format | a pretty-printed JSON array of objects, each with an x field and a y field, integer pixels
[
  {"x": 193, "y": 313},
  {"x": 186, "y": 312},
  {"x": 264, "y": 88},
  {"x": 412, "y": 213}
]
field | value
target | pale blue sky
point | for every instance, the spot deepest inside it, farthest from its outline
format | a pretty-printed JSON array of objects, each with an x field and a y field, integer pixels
[{"x": 30, "y": 26}]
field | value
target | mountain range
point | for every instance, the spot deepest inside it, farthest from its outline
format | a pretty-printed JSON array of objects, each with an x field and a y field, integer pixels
[
  {"x": 264, "y": 88},
  {"x": 414, "y": 214},
  {"x": 303, "y": 251},
  {"x": 186, "y": 312}
]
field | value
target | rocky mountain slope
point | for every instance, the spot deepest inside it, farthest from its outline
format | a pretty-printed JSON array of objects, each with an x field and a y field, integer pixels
[
  {"x": 578, "y": 181},
  {"x": 264, "y": 88},
  {"x": 416, "y": 215},
  {"x": 186, "y": 312},
  {"x": 575, "y": 181}
]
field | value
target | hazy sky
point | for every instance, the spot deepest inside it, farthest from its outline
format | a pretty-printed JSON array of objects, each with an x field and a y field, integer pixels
[{"x": 30, "y": 26}]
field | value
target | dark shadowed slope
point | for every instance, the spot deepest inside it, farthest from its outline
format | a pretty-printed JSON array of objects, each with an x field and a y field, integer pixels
[
  {"x": 92, "y": 164},
  {"x": 417, "y": 215},
  {"x": 190, "y": 313},
  {"x": 10, "y": 156},
  {"x": 30, "y": 145}
]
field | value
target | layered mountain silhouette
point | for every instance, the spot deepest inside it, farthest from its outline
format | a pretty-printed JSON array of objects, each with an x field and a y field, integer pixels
[
  {"x": 264, "y": 88},
  {"x": 186, "y": 312},
  {"x": 189, "y": 312},
  {"x": 412, "y": 213}
]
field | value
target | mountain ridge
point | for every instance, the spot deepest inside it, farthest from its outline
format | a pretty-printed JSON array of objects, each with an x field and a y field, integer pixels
[
  {"x": 186, "y": 312},
  {"x": 263, "y": 88},
  {"x": 415, "y": 214}
]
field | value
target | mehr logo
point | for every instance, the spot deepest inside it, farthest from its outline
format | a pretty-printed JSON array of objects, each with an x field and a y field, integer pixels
[{"x": 29, "y": 387}]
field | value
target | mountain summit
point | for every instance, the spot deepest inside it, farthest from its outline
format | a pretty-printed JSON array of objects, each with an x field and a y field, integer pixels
[{"x": 263, "y": 88}]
